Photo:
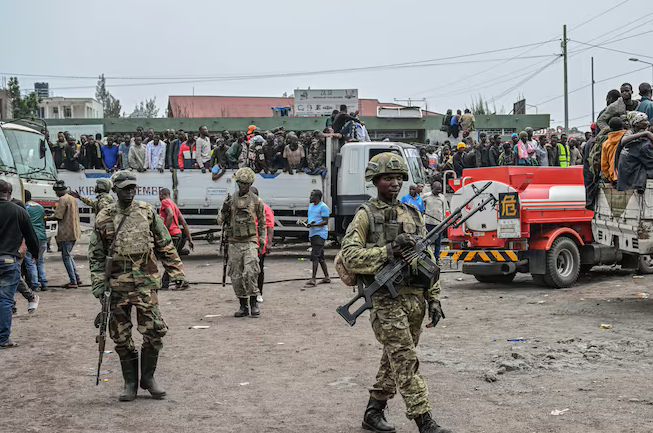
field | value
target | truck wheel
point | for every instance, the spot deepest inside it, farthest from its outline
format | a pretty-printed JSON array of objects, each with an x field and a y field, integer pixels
[
  {"x": 645, "y": 264},
  {"x": 497, "y": 279},
  {"x": 562, "y": 263}
]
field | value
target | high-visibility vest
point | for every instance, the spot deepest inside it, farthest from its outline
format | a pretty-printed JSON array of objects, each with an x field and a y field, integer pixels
[{"x": 563, "y": 155}]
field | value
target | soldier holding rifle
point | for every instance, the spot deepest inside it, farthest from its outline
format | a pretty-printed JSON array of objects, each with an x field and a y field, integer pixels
[
  {"x": 128, "y": 238},
  {"x": 382, "y": 229}
]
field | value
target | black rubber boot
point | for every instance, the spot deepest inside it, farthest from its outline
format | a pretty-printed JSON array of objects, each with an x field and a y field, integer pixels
[
  {"x": 129, "y": 366},
  {"x": 426, "y": 424},
  {"x": 254, "y": 306},
  {"x": 244, "y": 308},
  {"x": 374, "y": 418},
  {"x": 149, "y": 360}
]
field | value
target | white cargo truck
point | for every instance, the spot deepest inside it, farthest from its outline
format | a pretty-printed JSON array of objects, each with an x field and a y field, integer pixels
[{"x": 200, "y": 198}]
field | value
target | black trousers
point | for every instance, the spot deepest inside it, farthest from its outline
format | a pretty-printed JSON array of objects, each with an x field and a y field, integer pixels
[{"x": 261, "y": 275}]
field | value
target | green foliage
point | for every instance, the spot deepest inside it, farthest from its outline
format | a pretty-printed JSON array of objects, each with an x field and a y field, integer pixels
[
  {"x": 481, "y": 107},
  {"x": 110, "y": 104},
  {"x": 27, "y": 106},
  {"x": 146, "y": 109}
]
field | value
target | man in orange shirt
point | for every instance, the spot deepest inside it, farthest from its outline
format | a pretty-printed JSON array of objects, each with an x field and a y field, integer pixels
[
  {"x": 172, "y": 217},
  {"x": 269, "y": 235},
  {"x": 609, "y": 149}
]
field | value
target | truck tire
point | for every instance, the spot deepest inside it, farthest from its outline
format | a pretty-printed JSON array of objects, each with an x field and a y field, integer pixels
[
  {"x": 645, "y": 264},
  {"x": 562, "y": 263},
  {"x": 497, "y": 279}
]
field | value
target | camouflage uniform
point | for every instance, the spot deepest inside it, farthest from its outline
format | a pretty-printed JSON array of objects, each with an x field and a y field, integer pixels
[
  {"x": 103, "y": 198},
  {"x": 366, "y": 248},
  {"x": 316, "y": 155},
  {"x": 134, "y": 279},
  {"x": 239, "y": 214}
]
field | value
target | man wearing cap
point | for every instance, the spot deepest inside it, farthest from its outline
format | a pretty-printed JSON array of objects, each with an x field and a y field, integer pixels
[
  {"x": 103, "y": 196},
  {"x": 139, "y": 237},
  {"x": 458, "y": 164},
  {"x": 239, "y": 215},
  {"x": 381, "y": 228},
  {"x": 68, "y": 230}
]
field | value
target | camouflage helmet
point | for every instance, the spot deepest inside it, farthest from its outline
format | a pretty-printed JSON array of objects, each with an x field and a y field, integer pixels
[
  {"x": 123, "y": 179},
  {"x": 103, "y": 185},
  {"x": 245, "y": 175},
  {"x": 386, "y": 163}
]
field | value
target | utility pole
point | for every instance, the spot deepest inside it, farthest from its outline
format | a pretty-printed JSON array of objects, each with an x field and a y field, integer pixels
[
  {"x": 592, "y": 89},
  {"x": 564, "y": 53}
]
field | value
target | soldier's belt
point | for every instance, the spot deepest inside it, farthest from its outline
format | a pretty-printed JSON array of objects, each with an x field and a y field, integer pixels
[{"x": 480, "y": 255}]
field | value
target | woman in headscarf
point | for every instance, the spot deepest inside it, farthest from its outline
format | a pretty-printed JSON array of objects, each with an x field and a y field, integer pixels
[{"x": 525, "y": 151}]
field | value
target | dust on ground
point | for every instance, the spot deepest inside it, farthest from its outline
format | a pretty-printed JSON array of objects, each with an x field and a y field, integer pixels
[{"x": 301, "y": 368}]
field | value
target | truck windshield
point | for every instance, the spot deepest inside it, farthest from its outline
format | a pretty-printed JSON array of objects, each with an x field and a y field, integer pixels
[
  {"x": 415, "y": 166},
  {"x": 6, "y": 160},
  {"x": 25, "y": 148}
]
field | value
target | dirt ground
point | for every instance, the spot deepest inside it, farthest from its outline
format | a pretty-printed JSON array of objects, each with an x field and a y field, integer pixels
[{"x": 301, "y": 368}]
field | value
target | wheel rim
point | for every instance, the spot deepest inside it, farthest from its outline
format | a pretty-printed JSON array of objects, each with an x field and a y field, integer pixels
[
  {"x": 647, "y": 260},
  {"x": 565, "y": 263}
]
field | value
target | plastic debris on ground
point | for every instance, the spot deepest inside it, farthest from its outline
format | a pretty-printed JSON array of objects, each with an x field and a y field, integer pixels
[
  {"x": 558, "y": 412},
  {"x": 459, "y": 279},
  {"x": 606, "y": 326},
  {"x": 200, "y": 327},
  {"x": 213, "y": 315},
  {"x": 638, "y": 276},
  {"x": 642, "y": 295},
  {"x": 244, "y": 383},
  {"x": 516, "y": 339}
]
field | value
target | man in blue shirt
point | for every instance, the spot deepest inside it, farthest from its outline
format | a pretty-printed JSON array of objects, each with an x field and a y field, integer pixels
[
  {"x": 318, "y": 231},
  {"x": 110, "y": 155},
  {"x": 414, "y": 198},
  {"x": 36, "y": 267},
  {"x": 646, "y": 106}
]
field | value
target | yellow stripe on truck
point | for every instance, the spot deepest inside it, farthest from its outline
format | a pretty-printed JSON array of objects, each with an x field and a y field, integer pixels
[
  {"x": 512, "y": 256},
  {"x": 470, "y": 255},
  {"x": 497, "y": 255},
  {"x": 484, "y": 256},
  {"x": 481, "y": 255},
  {"x": 456, "y": 255}
]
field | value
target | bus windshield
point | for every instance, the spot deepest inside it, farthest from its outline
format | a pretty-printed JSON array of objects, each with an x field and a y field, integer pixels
[
  {"x": 25, "y": 145},
  {"x": 415, "y": 165},
  {"x": 6, "y": 160}
]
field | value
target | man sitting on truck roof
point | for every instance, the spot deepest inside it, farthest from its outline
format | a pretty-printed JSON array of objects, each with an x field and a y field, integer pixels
[
  {"x": 635, "y": 160},
  {"x": 610, "y": 148}
]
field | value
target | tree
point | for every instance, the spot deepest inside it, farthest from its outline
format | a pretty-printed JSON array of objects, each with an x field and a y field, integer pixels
[
  {"x": 110, "y": 104},
  {"x": 27, "y": 106},
  {"x": 146, "y": 109},
  {"x": 481, "y": 107}
]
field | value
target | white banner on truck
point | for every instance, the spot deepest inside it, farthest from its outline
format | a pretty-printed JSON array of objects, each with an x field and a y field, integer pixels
[{"x": 316, "y": 102}]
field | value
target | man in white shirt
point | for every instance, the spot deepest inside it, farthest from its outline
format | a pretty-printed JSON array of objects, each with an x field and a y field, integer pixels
[
  {"x": 203, "y": 149},
  {"x": 436, "y": 206},
  {"x": 155, "y": 154}
]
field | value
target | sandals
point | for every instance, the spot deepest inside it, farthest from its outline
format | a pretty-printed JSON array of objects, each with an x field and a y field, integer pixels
[
  {"x": 325, "y": 280},
  {"x": 8, "y": 345},
  {"x": 310, "y": 283}
]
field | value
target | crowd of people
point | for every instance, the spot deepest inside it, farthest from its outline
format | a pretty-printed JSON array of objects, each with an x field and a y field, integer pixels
[
  {"x": 263, "y": 151},
  {"x": 621, "y": 131}
]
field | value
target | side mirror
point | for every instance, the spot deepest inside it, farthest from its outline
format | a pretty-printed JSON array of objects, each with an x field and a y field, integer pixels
[{"x": 42, "y": 149}]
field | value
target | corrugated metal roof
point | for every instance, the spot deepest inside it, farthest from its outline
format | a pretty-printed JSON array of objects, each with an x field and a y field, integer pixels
[{"x": 248, "y": 106}]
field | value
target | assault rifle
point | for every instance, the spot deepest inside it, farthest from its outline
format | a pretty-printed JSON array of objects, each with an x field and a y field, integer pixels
[
  {"x": 224, "y": 244},
  {"x": 101, "y": 338},
  {"x": 392, "y": 273}
]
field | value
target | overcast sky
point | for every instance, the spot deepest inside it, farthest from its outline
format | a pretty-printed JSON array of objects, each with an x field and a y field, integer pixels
[{"x": 191, "y": 38}]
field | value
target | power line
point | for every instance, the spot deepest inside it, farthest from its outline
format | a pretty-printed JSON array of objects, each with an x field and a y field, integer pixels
[
  {"x": 612, "y": 49},
  {"x": 525, "y": 80},
  {"x": 599, "y": 15}
]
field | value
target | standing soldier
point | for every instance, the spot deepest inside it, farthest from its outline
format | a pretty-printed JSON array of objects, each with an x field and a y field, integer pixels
[
  {"x": 239, "y": 215},
  {"x": 139, "y": 237},
  {"x": 103, "y": 196},
  {"x": 381, "y": 228}
]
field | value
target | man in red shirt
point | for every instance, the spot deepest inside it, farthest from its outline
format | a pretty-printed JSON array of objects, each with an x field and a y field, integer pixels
[
  {"x": 172, "y": 216},
  {"x": 269, "y": 235}
]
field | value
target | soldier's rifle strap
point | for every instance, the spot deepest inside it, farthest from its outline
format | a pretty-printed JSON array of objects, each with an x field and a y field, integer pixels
[{"x": 115, "y": 235}]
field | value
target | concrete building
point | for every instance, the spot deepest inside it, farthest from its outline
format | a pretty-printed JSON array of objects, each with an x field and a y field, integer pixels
[{"x": 70, "y": 108}]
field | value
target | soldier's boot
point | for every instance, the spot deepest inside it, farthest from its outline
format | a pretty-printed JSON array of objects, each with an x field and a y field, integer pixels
[
  {"x": 149, "y": 359},
  {"x": 244, "y": 308},
  {"x": 129, "y": 366},
  {"x": 254, "y": 306},
  {"x": 426, "y": 424},
  {"x": 374, "y": 418}
]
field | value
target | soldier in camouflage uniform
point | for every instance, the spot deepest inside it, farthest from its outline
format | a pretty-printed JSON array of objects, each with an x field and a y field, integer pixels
[
  {"x": 103, "y": 196},
  {"x": 381, "y": 228},
  {"x": 134, "y": 279},
  {"x": 239, "y": 215}
]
